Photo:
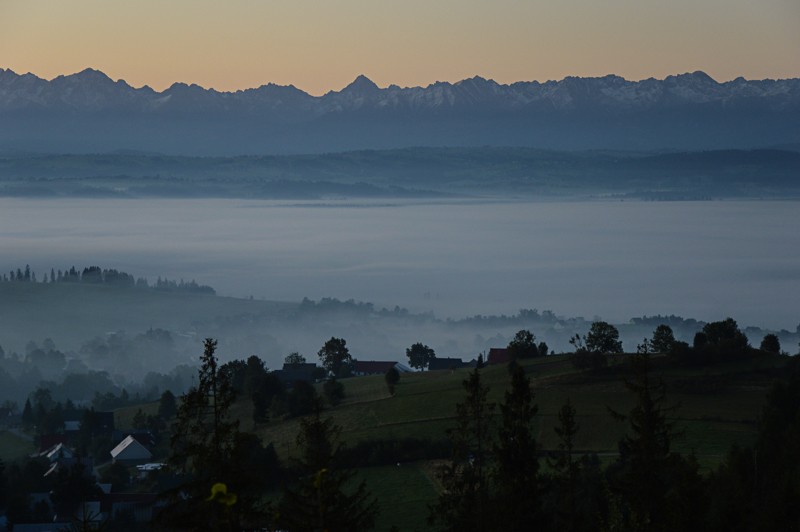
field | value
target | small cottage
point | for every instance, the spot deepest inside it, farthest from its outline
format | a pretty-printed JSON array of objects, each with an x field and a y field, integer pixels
[{"x": 130, "y": 452}]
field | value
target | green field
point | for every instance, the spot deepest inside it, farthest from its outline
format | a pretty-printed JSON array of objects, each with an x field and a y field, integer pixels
[
  {"x": 717, "y": 406},
  {"x": 14, "y": 447},
  {"x": 424, "y": 405}
]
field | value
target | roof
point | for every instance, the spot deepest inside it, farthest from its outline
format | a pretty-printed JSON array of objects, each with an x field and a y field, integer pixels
[
  {"x": 67, "y": 464},
  {"x": 402, "y": 368},
  {"x": 129, "y": 448},
  {"x": 57, "y": 452},
  {"x": 304, "y": 366},
  {"x": 498, "y": 355},
  {"x": 296, "y": 372},
  {"x": 372, "y": 367},
  {"x": 445, "y": 363}
]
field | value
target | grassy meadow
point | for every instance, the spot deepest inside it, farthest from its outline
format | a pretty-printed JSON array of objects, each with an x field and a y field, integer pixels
[
  {"x": 715, "y": 407},
  {"x": 14, "y": 447}
]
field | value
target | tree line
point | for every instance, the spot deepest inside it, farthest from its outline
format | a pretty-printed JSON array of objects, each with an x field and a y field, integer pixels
[{"x": 109, "y": 277}]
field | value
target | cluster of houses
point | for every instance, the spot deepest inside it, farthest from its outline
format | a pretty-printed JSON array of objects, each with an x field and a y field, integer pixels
[
  {"x": 133, "y": 449},
  {"x": 129, "y": 448},
  {"x": 310, "y": 372}
]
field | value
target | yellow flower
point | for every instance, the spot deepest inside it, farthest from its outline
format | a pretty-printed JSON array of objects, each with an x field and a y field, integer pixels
[{"x": 219, "y": 493}]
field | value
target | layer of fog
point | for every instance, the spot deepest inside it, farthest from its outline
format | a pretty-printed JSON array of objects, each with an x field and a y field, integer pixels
[
  {"x": 616, "y": 260},
  {"x": 609, "y": 260}
]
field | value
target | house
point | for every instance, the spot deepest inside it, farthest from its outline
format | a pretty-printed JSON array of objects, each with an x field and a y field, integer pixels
[
  {"x": 498, "y": 355},
  {"x": 292, "y": 373},
  {"x": 376, "y": 367},
  {"x": 86, "y": 464},
  {"x": 57, "y": 452},
  {"x": 130, "y": 451},
  {"x": 446, "y": 363}
]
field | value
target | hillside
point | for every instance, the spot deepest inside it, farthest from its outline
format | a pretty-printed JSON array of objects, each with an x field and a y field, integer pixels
[
  {"x": 718, "y": 406},
  {"x": 87, "y": 321},
  {"x": 412, "y": 173},
  {"x": 71, "y": 313}
]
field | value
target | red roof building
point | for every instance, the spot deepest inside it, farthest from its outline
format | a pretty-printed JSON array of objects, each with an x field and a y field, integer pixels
[{"x": 498, "y": 355}]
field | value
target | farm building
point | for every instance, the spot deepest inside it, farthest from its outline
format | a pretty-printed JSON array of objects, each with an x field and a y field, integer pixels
[
  {"x": 130, "y": 451},
  {"x": 376, "y": 367}
]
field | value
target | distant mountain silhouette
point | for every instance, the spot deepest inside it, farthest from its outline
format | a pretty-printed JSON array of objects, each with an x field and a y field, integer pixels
[{"x": 89, "y": 112}]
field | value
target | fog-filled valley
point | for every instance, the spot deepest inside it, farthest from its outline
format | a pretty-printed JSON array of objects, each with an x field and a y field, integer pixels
[
  {"x": 569, "y": 305},
  {"x": 270, "y": 278}
]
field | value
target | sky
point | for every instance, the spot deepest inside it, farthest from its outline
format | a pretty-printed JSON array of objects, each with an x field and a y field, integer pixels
[{"x": 322, "y": 45}]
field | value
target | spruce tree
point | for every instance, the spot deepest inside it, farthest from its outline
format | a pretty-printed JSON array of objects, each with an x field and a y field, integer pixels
[
  {"x": 654, "y": 486},
  {"x": 28, "y": 418},
  {"x": 565, "y": 469},
  {"x": 515, "y": 473},
  {"x": 323, "y": 496},
  {"x": 462, "y": 505},
  {"x": 216, "y": 489}
]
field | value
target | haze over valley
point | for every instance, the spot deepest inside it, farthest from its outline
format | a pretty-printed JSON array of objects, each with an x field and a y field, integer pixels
[
  {"x": 432, "y": 265},
  {"x": 517, "y": 202},
  {"x": 457, "y": 266}
]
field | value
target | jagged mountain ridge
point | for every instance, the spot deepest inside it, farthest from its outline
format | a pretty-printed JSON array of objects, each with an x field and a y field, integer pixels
[
  {"x": 89, "y": 111},
  {"x": 92, "y": 90}
]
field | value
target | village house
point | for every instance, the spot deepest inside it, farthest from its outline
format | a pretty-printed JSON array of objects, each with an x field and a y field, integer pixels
[
  {"x": 498, "y": 355},
  {"x": 130, "y": 452},
  {"x": 376, "y": 367}
]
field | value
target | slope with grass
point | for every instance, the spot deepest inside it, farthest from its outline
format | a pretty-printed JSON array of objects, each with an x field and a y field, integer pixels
[{"x": 717, "y": 406}]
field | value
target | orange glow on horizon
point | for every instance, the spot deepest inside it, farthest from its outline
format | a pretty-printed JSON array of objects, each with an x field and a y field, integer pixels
[{"x": 319, "y": 47}]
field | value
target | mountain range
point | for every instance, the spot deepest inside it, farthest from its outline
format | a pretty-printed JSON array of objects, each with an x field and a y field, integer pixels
[{"x": 88, "y": 112}]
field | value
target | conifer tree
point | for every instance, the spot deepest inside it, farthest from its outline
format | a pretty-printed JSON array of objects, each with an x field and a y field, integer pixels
[
  {"x": 515, "y": 474},
  {"x": 462, "y": 505},
  {"x": 323, "y": 498},
  {"x": 28, "y": 418},
  {"x": 565, "y": 469},
  {"x": 653, "y": 483},
  {"x": 217, "y": 489}
]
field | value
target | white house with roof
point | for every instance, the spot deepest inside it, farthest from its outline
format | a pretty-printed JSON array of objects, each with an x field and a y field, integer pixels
[
  {"x": 130, "y": 451},
  {"x": 57, "y": 452}
]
